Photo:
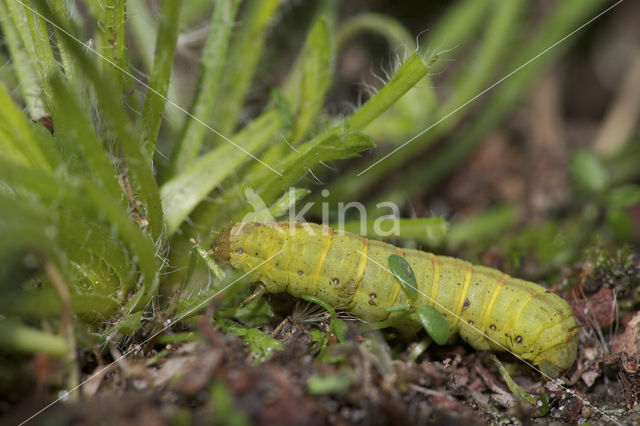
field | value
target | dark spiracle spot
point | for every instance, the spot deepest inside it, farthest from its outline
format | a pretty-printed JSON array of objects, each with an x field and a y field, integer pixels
[
  {"x": 492, "y": 327},
  {"x": 240, "y": 251},
  {"x": 335, "y": 280},
  {"x": 470, "y": 322},
  {"x": 372, "y": 301},
  {"x": 466, "y": 304},
  {"x": 299, "y": 271},
  {"x": 518, "y": 339}
]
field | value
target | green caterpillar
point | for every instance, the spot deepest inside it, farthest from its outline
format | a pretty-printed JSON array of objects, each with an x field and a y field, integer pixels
[{"x": 347, "y": 271}]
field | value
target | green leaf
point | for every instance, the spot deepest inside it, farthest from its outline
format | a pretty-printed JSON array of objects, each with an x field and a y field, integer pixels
[
  {"x": 543, "y": 404},
  {"x": 522, "y": 395},
  {"x": 402, "y": 270},
  {"x": 621, "y": 224},
  {"x": 154, "y": 103},
  {"x": 185, "y": 191},
  {"x": 434, "y": 323},
  {"x": 81, "y": 133},
  {"x": 213, "y": 61},
  {"x": 288, "y": 200},
  {"x": 624, "y": 196},
  {"x": 339, "y": 328},
  {"x": 317, "y": 72},
  {"x": 25, "y": 73},
  {"x": 589, "y": 172},
  {"x": 242, "y": 62},
  {"x": 108, "y": 92},
  {"x": 130, "y": 324},
  {"x": 262, "y": 345},
  {"x": 88, "y": 200},
  {"x": 321, "y": 148},
  {"x": 17, "y": 142}
]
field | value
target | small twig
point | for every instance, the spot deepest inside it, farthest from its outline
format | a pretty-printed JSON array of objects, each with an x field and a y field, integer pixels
[
  {"x": 66, "y": 325},
  {"x": 622, "y": 116}
]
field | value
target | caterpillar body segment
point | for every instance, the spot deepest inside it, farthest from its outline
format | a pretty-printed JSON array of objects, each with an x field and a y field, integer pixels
[{"x": 490, "y": 310}]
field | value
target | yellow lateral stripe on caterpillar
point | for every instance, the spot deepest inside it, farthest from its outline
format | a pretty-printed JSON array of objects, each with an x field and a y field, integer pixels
[
  {"x": 465, "y": 289},
  {"x": 489, "y": 309}
]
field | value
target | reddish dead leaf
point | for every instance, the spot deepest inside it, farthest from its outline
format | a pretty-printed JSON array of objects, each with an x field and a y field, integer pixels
[
  {"x": 629, "y": 341},
  {"x": 573, "y": 408},
  {"x": 598, "y": 309}
]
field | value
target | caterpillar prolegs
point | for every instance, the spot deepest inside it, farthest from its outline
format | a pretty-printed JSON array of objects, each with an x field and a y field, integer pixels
[{"x": 489, "y": 309}]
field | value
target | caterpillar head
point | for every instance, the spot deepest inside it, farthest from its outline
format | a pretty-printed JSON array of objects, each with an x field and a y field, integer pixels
[
  {"x": 221, "y": 246},
  {"x": 555, "y": 360}
]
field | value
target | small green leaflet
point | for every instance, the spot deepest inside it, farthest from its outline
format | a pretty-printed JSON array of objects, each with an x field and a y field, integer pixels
[
  {"x": 261, "y": 344},
  {"x": 402, "y": 270},
  {"x": 525, "y": 398},
  {"x": 432, "y": 320},
  {"x": 434, "y": 323}
]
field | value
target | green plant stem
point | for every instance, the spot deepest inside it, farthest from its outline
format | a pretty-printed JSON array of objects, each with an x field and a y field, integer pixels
[
  {"x": 421, "y": 178},
  {"x": 410, "y": 73},
  {"x": 488, "y": 225},
  {"x": 40, "y": 37},
  {"x": 15, "y": 336},
  {"x": 66, "y": 323},
  {"x": 431, "y": 229},
  {"x": 457, "y": 25},
  {"x": 496, "y": 39},
  {"x": 113, "y": 41},
  {"x": 144, "y": 31}
]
